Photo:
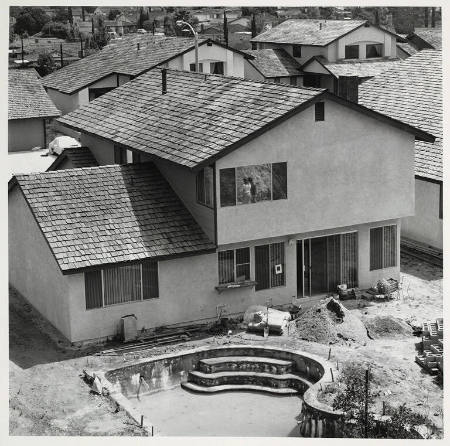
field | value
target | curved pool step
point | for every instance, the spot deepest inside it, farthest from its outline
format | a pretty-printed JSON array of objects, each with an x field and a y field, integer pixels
[
  {"x": 245, "y": 363},
  {"x": 242, "y": 387},
  {"x": 261, "y": 379}
]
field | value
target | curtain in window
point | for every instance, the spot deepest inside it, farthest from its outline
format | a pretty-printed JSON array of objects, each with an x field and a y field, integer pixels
[
  {"x": 277, "y": 258},
  {"x": 226, "y": 266},
  {"x": 349, "y": 259},
  {"x": 376, "y": 248},
  {"x": 122, "y": 284},
  {"x": 390, "y": 246}
]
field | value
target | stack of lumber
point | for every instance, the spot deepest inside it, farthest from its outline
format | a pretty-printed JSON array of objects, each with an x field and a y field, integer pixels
[
  {"x": 432, "y": 358},
  {"x": 422, "y": 251}
]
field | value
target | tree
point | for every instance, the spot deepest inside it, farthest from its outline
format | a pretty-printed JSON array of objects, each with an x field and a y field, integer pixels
[
  {"x": 83, "y": 17},
  {"x": 113, "y": 13},
  {"x": 253, "y": 26},
  {"x": 30, "y": 20},
  {"x": 45, "y": 64},
  {"x": 61, "y": 15},
  {"x": 55, "y": 29},
  {"x": 149, "y": 25},
  {"x": 70, "y": 15}
]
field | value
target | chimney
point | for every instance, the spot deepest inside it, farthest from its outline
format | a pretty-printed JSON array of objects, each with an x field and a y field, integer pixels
[
  {"x": 164, "y": 80},
  {"x": 348, "y": 88}
]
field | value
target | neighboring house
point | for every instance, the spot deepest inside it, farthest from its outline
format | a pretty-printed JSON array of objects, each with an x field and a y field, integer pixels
[
  {"x": 332, "y": 41},
  {"x": 177, "y": 233},
  {"x": 426, "y": 38},
  {"x": 412, "y": 92},
  {"x": 273, "y": 65},
  {"x": 89, "y": 78},
  {"x": 120, "y": 25},
  {"x": 29, "y": 107}
]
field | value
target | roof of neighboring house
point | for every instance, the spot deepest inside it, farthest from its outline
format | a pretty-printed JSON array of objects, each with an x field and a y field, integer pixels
[
  {"x": 360, "y": 68},
  {"x": 407, "y": 48},
  {"x": 110, "y": 214},
  {"x": 309, "y": 32},
  {"x": 432, "y": 36},
  {"x": 78, "y": 156},
  {"x": 122, "y": 57},
  {"x": 201, "y": 117},
  {"x": 274, "y": 62},
  {"x": 27, "y": 97},
  {"x": 412, "y": 91},
  {"x": 28, "y": 161}
]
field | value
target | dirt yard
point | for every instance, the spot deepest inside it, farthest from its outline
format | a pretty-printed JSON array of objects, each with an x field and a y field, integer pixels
[{"x": 49, "y": 397}]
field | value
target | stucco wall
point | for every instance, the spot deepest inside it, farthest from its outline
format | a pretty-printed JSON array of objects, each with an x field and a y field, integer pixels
[
  {"x": 24, "y": 134},
  {"x": 102, "y": 150},
  {"x": 349, "y": 169},
  {"x": 425, "y": 226},
  {"x": 250, "y": 72},
  {"x": 64, "y": 102},
  {"x": 33, "y": 270}
]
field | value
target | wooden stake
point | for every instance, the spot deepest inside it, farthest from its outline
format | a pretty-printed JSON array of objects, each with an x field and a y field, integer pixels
[
  {"x": 332, "y": 376},
  {"x": 142, "y": 422},
  {"x": 329, "y": 354}
]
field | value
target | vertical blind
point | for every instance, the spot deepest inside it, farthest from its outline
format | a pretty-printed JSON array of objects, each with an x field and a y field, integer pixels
[
  {"x": 334, "y": 261},
  {"x": 349, "y": 259},
  {"x": 390, "y": 246},
  {"x": 93, "y": 289},
  {"x": 122, "y": 284},
  {"x": 376, "y": 248},
  {"x": 226, "y": 266},
  {"x": 383, "y": 247}
]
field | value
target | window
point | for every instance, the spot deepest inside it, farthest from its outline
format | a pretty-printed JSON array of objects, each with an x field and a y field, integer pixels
[
  {"x": 205, "y": 187},
  {"x": 269, "y": 266},
  {"x": 276, "y": 80},
  {"x": 192, "y": 67},
  {"x": 136, "y": 158},
  {"x": 311, "y": 80},
  {"x": 319, "y": 111},
  {"x": 252, "y": 184},
  {"x": 293, "y": 80},
  {"x": 120, "y": 155},
  {"x": 95, "y": 93},
  {"x": 383, "y": 247},
  {"x": 115, "y": 285},
  {"x": 216, "y": 68},
  {"x": 297, "y": 50},
  {"x": 234, "y": 265},
  {"x": 352, "y": 51},
  {"x": 374, "y": 50}
]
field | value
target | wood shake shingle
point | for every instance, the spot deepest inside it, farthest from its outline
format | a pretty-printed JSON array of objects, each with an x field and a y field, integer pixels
[
  {"x": 274, "y": 63},
  {"x": 110, "y": 214}
]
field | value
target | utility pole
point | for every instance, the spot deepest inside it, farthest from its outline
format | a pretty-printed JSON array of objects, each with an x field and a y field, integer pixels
[
  {"x": 81, "y": 44},
  {"x": 366, "y": 406},
  {"x": 21, "y": 40},
  {"x": 225, "y": 27}
]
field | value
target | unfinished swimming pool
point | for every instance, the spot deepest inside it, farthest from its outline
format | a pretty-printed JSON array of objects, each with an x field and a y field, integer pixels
[{"x": 233, "y": 390}]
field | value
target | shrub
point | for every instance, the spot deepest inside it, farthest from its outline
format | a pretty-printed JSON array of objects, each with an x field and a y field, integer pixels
[
  {"x": 55, "y": 29},
  {"x": 45, "y": 64}
]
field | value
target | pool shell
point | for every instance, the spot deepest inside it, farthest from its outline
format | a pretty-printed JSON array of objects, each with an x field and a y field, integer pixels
[{"x": 168, "y": 371}]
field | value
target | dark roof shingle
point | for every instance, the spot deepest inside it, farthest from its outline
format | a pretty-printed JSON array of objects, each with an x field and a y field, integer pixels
[
  {"x": 274, "y": 62},
  {"x": 412, "y": 92},
  {"x": 121, "y": 57},
  {"x": 111, "y": 214},
  {"x": 198, "y": 117},
  {"x": 309, "y": 31},
  {"x": 78, "y": 156},
  {"x": 27, "y": 97}
]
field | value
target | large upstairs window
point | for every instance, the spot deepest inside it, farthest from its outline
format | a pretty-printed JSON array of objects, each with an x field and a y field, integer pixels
[
  {"x": 252, "y": 184},
  {"x": 374, "y": 50},
  {"x": 352, "y": 51}
]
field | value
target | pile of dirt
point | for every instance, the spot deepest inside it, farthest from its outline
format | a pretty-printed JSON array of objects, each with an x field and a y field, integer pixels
[
  {"x": 386, "y": 326},
  {"x": 329, "y": 322}
]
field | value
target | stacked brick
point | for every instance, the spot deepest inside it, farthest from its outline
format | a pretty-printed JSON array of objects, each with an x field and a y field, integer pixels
[{"x": 432, "y": 357}]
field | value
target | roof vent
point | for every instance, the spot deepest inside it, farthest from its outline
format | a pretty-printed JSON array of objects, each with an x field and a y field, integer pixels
[
  {"x": 164, "y": 80},
  {"x": 138, "y": 46},
  {"x": 320, "y": 25}
]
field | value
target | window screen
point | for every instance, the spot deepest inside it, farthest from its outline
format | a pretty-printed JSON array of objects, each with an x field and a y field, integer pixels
[
  {"x": 373, "y": 50},
  {"x": 93, "y": 289},
  {"x": 319, "y": 111},
  {"x": 352, "y": 52},
  {"x": 279, "y": 181},
  {"x": 227, "y": 187},
  {"x": 226, "y": 266}
]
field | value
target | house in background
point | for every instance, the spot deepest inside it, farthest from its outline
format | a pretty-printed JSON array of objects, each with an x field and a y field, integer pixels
[
  {"x": 426, "y": 38},
  {"x": 29, "y": 109},
  {"x": 259, "y": 199},
  {"x": 121, "y": 25},
  {"x": 315, "y": 43},
  {"x": 273, "y": 65},
  {"x": 116, "y": 64},
  {"x": 412, "y": 92}
]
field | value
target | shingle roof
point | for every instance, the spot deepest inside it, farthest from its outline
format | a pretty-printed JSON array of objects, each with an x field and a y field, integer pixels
[
  {"x": 110, "y": 214},
  {"x": 407, "y": 48},
  {"x": 433, "y": 36},
  {"x": 412, "y": 91},
  {"x": 309, "y": 31},
  {"x": 363, "y": 69},
  {"x": 27, "y": 97},
  {"x": 199, "y": 117},
  {"x": 78, "y": 156},
  {"x": 274, "y": 62},
  {"x": 120, "y": 57}
]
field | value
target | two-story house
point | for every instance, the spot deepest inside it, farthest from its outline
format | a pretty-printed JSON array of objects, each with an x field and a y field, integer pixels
[
  {"x": 412, "y": 92},
  {"x": 81, "y": 82},
  {"x": 237, "y": 191},
  {"x": 322, "y": 46}
]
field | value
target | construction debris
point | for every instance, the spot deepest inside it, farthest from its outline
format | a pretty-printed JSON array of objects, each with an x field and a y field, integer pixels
[
  {"x": 257, "y": 317},
  {"x": 329, "y": 322},
  {"x": 386, "y": 326},
  {"x": 432, "y": 357}
]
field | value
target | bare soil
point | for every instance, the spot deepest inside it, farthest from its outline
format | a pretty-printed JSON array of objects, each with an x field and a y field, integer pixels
[{"x": 49, "y": 397}]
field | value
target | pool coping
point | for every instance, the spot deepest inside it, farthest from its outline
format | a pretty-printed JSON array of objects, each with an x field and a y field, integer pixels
[{"x": 309, "y": 397}]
